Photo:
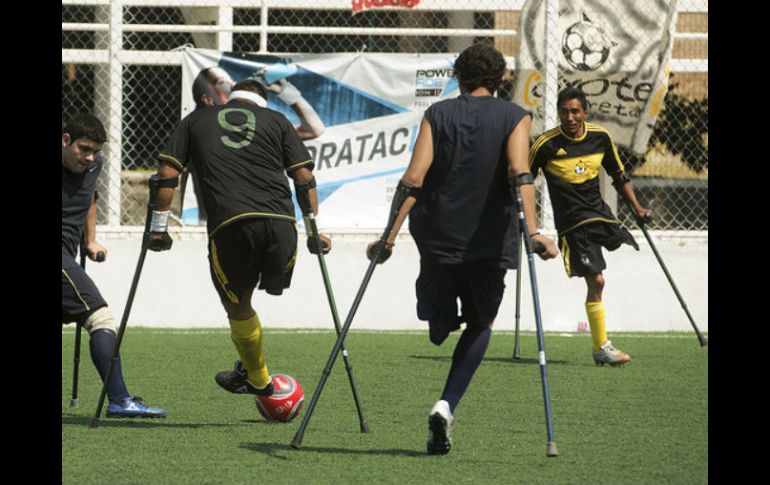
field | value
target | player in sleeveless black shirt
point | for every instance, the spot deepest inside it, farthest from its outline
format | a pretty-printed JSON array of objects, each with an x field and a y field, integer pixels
[{"x": 463, "y": 218}]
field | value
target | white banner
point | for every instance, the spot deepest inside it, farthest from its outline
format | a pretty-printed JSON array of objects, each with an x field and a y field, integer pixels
[
  {"x": 617, "y": 52},
  {"x": 370, "y": 107}
]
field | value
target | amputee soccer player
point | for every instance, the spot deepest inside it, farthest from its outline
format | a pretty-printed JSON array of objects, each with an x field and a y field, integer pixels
[
  {"x": 81, "y": 302},
  {"x": 242, "y": 152},
  {"x": 463, "y": 218},
  {"x": 570, "y": 157}
]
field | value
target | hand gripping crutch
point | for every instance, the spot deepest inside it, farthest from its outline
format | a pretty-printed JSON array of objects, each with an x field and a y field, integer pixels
[
  {"x": 303, "y": 197},
  {"x": 155, "y": 182},
  {"x": 641, "y": 223},
  {"x": 551, "y": 445},
  {"x": 398, "y": 200}
]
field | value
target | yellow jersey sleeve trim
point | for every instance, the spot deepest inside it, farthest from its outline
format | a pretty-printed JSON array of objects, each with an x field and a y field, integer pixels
[
  {"x": 601, "y": 129},
  {"x": 174, "y": 161},
  {"x": 298, "y": 165},
  {"x": 540, "y": 141}
]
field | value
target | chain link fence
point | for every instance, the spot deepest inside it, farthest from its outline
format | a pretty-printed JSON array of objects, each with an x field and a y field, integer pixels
[{"x": 121, "y": 60}]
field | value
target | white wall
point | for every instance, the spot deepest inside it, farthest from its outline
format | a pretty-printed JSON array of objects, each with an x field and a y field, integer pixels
[{"x": 175, "y": 289}]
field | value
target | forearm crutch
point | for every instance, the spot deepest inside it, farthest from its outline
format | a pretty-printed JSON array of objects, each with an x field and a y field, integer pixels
[
  {"x": 303, "y": 198},
  {"x": 398, "y": 200},
  {"x": 78, "y": 330},
  {"x": 640, "y": 222},
  {"x": 538, "y": 248},
  {"x": 529, "y": 246},
  {"x": 74, "y": 402}
]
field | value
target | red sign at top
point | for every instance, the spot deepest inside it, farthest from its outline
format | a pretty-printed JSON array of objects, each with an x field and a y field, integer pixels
[{"x": 361, "y": 5}]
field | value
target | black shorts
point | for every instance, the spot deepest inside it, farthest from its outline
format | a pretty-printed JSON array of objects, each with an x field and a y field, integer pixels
[
  {"x": 251, "y": 252},
  {"x": 79, "y": 295},
  {"x": 479, "y": 287},
  {"x": 581, "y": 248}
]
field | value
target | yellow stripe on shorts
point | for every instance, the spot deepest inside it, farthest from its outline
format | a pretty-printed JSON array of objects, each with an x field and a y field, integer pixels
[
  {"x": 565, "y": 255},
  {"x": 221, "y": 277}
]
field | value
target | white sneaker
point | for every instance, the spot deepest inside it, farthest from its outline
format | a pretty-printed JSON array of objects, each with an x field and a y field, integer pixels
[
  {"x": 439, "y": 428},
  {"x": 608, "y": 354}
]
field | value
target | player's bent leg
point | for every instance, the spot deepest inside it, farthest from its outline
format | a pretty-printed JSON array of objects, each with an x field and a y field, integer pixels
[
  {"x": 250, "y": 374},
  {"x": 102, "y": 331}
]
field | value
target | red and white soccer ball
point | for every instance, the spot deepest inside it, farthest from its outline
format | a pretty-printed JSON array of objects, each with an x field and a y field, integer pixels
[{"x": 286, "y": 401}]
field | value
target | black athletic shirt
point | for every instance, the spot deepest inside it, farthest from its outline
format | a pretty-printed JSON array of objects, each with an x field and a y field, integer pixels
[
  {"x": 465, "y": 212},
  {"x": 77, "y": 195},
  {"x": 571, "y": 167},
  {"x": 241, "y": 154}
]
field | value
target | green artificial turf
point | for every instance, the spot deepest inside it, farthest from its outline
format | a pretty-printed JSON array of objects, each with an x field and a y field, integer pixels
[{"x": 644, "y": 423}]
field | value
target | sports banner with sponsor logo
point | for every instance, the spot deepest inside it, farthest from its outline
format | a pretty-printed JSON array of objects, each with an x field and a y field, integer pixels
[
  {"x": 617, "y": 52},
  {"x": 368, "y": 108}
]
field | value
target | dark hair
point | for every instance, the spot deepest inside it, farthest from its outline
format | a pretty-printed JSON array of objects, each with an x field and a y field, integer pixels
[
  {"x": 480, "y": 65},
  {"x": 85, "y": 125},
  {"x": 251, "y": 84},
  {"x": 202, "y": 85},
  {"x": 572, "y": 93}
]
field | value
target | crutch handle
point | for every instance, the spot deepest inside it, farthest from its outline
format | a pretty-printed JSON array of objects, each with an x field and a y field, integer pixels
[{"x": 537, "y": 246}]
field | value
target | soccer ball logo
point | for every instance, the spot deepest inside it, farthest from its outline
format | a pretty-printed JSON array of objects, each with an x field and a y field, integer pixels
[
  {"x": 286, "y": 401},
  {"x": 585, "y": 45}
]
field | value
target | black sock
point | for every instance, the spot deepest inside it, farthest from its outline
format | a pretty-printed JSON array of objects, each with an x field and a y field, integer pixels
[
  {"x": 467, "y": 357},
  {"x": 102, "y": 342}
]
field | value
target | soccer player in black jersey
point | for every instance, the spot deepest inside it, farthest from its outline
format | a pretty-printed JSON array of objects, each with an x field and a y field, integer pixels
[
  {"x": 82, "y": 139},
  {"x": 462, "y": 218},
  {"x": 212, "y": 87},
  {"x": 241, "y": 152},
  {"x": 570, "y": 157}
]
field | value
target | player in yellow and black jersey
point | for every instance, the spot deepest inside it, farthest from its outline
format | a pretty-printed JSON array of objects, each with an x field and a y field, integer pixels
[
  {"x": 242, "y": 153},
  {"x": 570, "y": 157}
]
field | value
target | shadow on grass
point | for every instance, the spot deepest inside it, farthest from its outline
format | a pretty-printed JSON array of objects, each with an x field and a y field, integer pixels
[
  {"x": 271, "y": 449},
  {"x": 506, "y": 360},
  {"x": 85, "y": 421}
]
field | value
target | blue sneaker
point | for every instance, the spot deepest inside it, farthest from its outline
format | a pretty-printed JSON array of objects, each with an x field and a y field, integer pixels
[{"x": 133, "y": 407}]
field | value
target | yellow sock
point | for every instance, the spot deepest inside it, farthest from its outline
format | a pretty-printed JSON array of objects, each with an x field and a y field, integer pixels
[
  {"x": 247, "y": 337},
  {"x": 595, "y": 313}
]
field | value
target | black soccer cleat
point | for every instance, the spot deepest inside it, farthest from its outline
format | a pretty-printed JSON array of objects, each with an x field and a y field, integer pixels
[{"x": 236, "y": 381}]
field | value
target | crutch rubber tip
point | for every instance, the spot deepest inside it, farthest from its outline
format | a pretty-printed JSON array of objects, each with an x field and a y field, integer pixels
[
  {"x": 705, "y": 342},
  {"x": 552, "y": 451},
  {"x": 296, "y": 442},
  {"x": 364, "y": 428},
  {"x": 94, "y": 422},
  {"x": 74, "y": 403},
  {"x": 516, "y": 356}
]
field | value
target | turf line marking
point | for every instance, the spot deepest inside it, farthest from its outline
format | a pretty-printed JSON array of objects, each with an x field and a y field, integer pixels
[{"x": 268, "y": 330}]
